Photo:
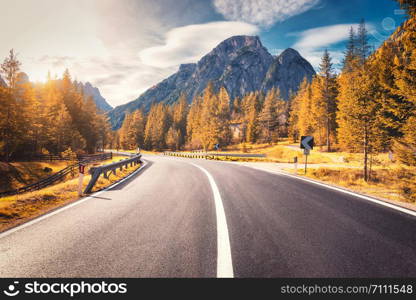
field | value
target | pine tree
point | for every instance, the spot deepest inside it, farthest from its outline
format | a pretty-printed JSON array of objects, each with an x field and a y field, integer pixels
[
  {"x": 193, "y": 123},
  {"x": 362, "y": 43},
  {"x": 351, "y": 52},
  {"x": 268, "y": 115},
  {"x": 405, "y": 80},
  {"x": 306, "y": 122},
  {"x": 224, "y": 117},
  {"x": 251, "y": 106},
  {"x": 295, "y": 110},
  {"x": 10, "y": 127},
  {"x": 359, "y": 114},
  {"x": 209, "y": 130},
  {"x": 396, "y": 108},
  {"x": 179, "y": 118},
  {"x": 173, "y": 138},
  {"x": 324, "y": 104},
  {"x": 157, "y": 125}
]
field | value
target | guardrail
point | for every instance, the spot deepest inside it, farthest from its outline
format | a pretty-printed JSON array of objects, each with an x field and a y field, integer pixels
[
  {"x": 55, "y": 177},
  {"x": 203, "y": 155},
  {"x": 112, "y": 168}
]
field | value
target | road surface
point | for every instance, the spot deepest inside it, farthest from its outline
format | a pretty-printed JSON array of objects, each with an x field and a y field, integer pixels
[{"x": 196, "y": 218}]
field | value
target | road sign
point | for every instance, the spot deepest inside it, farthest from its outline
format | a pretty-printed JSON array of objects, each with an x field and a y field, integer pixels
[
  {"x": 307, "y": 142},
  {"x": 217, "y": 146}
]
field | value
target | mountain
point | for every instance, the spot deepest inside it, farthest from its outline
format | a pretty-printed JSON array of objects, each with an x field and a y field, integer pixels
[
  {"x": 91, "y": 91},
  {"x": 241, "y": 64},
  {"x": 287, "y": 72}
]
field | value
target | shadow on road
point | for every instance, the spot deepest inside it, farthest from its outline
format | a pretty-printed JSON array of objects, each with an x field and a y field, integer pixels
[
  {"x": 125, "y": 183},
  {"x": 103, "y": 198}
]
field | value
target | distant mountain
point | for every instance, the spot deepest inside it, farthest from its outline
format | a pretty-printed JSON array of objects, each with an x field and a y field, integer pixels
[
  {"x": 90, "y": 90},
  {"x": 287, "y": 72},
  {"x": 241, "y": 64}
]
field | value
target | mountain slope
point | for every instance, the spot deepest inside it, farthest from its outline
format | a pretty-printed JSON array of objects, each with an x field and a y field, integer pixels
[
  {"x": 241, "y": 64},
  {"x": 287, "y": 72},
  {"x": 91, "y": 91}
]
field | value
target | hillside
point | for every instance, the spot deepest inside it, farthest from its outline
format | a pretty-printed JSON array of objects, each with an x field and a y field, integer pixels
[
  {"x": 241, "y": 64},
  {"x": 100, "y": 101}
]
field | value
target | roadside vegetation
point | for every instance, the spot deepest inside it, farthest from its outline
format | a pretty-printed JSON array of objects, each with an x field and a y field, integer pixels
[
  {"x": 18, "y": 209},
  {"x": 18, "y": 174},
  {"x": 384, "y": 184}
]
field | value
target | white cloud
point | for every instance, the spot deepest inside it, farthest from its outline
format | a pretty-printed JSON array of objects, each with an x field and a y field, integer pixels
[
  {"x": 188, "y": 44},
  {"x": 312, "y": 42},
  {"x": 323, "y": 36},
  {"x": 264, "y": 13}
]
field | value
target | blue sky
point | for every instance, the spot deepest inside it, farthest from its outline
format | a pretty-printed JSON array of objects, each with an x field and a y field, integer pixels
[{"x": 126, "y": 46}]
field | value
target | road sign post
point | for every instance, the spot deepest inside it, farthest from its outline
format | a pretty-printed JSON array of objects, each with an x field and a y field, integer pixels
[
  {"x": 307, "y": 143},
  {"x": 81, "y": 178}
]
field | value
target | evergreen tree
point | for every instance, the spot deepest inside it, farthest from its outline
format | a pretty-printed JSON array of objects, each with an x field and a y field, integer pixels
[
  {"x": 324, "y": 103},
  {"x": 362, "y": 44},
  {"x": 268, "y": 116},
  {"x": 295, "y": 115},
  {"x": 306, "y": 122},
  {"x": 224, "y": 117},
  {"x": 10, "y": 109},
  {"x": 359, "y": 114},
  {"x": 350, "y": 53},
  {"x": 179, "y": 118}
]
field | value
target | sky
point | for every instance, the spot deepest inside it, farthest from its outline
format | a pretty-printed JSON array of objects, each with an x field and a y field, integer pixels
[{"x": 124, "y": 47}]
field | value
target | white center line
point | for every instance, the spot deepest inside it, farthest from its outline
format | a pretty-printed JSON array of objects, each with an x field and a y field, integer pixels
[{"x": 224, "y": 259}]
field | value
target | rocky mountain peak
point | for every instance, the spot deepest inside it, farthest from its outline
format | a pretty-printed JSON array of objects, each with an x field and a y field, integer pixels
[
  {"x": 241, "y": 64},
  {"x": 92, "y": 91},
  {"x": 289, "y": 55}
]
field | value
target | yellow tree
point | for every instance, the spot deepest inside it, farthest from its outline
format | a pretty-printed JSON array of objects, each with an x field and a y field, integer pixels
[
  {"x": 224, "y": 117},
  {"x": 324, "y": 103},
  {"x": 295, "y": 110},
  {"x": 179, "y": 118},
  {"x": 10, "y": 127},
  {"x": 305, "y": 119},
  {"x": 359, "y": 113}
]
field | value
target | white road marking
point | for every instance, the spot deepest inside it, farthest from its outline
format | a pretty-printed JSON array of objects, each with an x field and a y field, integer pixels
[
  {"x": 59, "y": 210},
  {"x": 374, "y": 200},
  {"x": 224, "y": 259}
]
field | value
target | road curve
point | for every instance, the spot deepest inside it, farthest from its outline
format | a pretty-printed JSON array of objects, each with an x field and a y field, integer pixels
[{"x": 162, "y": 223}]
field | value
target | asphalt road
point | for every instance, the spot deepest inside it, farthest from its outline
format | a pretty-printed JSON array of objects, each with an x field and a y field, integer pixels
[{"x": 164, "y": 222}]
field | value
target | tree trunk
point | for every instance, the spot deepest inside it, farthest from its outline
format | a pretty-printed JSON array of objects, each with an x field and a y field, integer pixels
[
  {"x": 328, "y": 133},
  {"x": 366, "y": 155}
]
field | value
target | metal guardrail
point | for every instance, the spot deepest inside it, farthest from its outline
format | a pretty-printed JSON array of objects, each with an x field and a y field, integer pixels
[
  {"x": 110, "y": 168},
  {"x": 56, "y": 177},
  {"x": 203, "y": 155}
]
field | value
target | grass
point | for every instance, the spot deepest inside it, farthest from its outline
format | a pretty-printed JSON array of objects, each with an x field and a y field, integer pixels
[
  {"x": 18, "y": 174},
  {"x": 390, "y": 180},
  {"x": 385, "y": 183},
  {"x": 18, "y": 209}
]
